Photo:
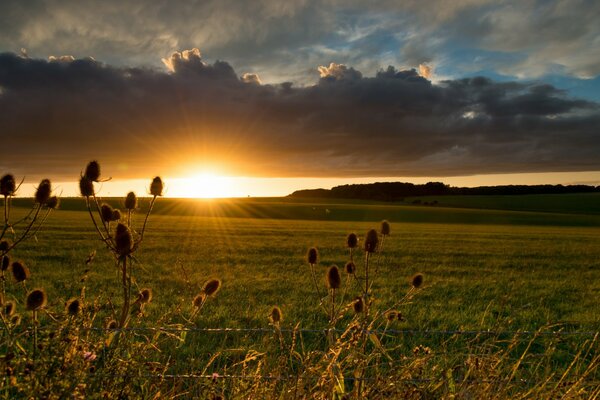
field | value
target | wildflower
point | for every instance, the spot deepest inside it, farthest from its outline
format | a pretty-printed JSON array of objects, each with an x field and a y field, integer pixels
[
  {"x": 352, "y": 240},
  {"x": 156, "y": 187},
  {"x": 20, "y": 271},
  {"x": 334, "y": 281},
  {"x": 131, "y": 201},
  {"x": 276, "y": 315},
  {"x": 43, "y": 192},
  {"x": 36, "y": 299},
  {"x": 417, "y": 280},
  {"x": 312, "y": 256},
  {"x": 86, "y": 187},
  {"x": 371, "y": 241},
  {"x": 8, "y": 185},
  {"x": 123, "y": 240},
  {"x": 211, "y": 287},
  {"x": 385, "y": 227},
  {"x": 92, "y": 171},
  {"x": 350, "y": 267}
]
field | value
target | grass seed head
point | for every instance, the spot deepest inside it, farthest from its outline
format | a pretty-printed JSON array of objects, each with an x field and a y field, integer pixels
[
  {"x": 53, "y": 202},
  {"x": 350, "y": 267},
  {"x": 8, "y": 185},
  {"x": 334, "y": 280},
  {"x": 352, "y": 240},
  {"x": 36, "y": 299},
  {"x": 276, "y": 315},
  {"x": 371, "y": 241},
  {"x": 9, "y": 308},
  {"x": 211, "y": 287},
  {"x": 417, "y": 280},
  {"x": 123, "y": 240},
  {"x": 312, "y": 256},
  {"x": 107, "y": 212},
  {"x": 131, "y": 201},
  {"x": 86, "y": 186},
  {"x": 156, "y": 187},
  {"x": 145, "y": 295},
  {"x": 92, "y": 171},
  {"x": 43, "y": 192},
  {"x": 199, "y": 299},
  {"x": 358, "y": 305},
  {"x": 73, "y": 307},
  {"x": 20, "y": 271},
  {"x": 385, "y": 227}
]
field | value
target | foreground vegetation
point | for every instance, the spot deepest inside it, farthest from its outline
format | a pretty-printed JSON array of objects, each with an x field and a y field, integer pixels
[{"x": 503, "y": 311}]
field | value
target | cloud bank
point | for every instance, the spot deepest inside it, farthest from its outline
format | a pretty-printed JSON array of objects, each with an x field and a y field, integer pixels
[{"x": 59, "y": 113}]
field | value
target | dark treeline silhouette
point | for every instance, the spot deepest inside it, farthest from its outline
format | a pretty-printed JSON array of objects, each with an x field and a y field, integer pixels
[{"x": 397, "y": 191}]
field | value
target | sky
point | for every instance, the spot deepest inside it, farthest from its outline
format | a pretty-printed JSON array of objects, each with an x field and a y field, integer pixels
[{"x": 265, "y": 97}]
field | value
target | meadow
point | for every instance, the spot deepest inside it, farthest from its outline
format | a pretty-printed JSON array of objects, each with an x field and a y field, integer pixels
[{"x": 495, "y": 271}]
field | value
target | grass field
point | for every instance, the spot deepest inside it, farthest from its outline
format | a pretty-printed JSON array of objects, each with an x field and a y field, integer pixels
[{"x": 484, "y": 269}]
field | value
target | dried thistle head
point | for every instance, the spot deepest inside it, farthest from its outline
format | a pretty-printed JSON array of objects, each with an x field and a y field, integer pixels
[
  {"x": 417, "y": 280},
  {"x": 15, "y": 320},
  {"x": 106, "y": 211},
  {"x": 385, "y": 227},
  {"x": 36, "y": 299},
  {"x": 131, "y": 201},
  {"x": 145, "y": 296},
  {"x": 5, "y": 262},
  {"x": 53, "y": 202},
  {"x": 358, "y": 304},
  {"x": 43, "y": 191},
  {"x": 211, "y": 287},
  {"x": 156, "y": 187},
  {"x": 9, "y": 308},
  {"x": 4, "y": 245},
  {"x": 73, "y": 307},
  {"x": 276, "y": 315},
  {"x": 86, "y": 187},
  {"x": 334, "y": 280},
  {"x": 123, "y": 239},
  {"x": 116, "y": 215},
  {"x": 20, "y": 271},
  {"x": 92, "y": 171},
  {"x": 199, "y": 299},
  {"x": 352, "y": 240},
  {"x": 312, "y": 256},
  {"x": 111, "y": 324},
  {"x": 8, "y": 185},
  {"x": 350, "y": 267},
  {"x": 371, "y": 241},
  {"x": 391, "y": 315}
]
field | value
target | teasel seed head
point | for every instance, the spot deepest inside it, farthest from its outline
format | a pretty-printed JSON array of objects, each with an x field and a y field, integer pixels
[
  {"x": 4, "y": 245},
  {"x": 107, "y": 212},
  {"x": 334, "y": 280},
  {"x": 86, "y": 186},
  {"x": 5, "y": 262},
  {"x": 116, "y": 215},
  {"x": 350, "y": 267},
  {"x": 20, "y": 271},
  {"x": 43, "y": 192},
  {"x": 211, "y": 287},
  {"x": 371, "y": 241},
  {"x": 92, "y": 171},
  {"x": 8, "y": 185},
  {"x": 9, "y": 308},
  {"x": 417, "y": 280},
  {"x": 123, "y": 240},
  {"x": 156, "y": 187},
  {"x": 385, "y": 227},
  {"x": 15, "y": 320},
  {"x": 53, "y": 203},
  {"x": 352, "y": 240},
  {"x": 199, "y": 299},
  {"x": 73, "y": 307},
  {"x": 276, "y": 315},
  {"x": 312, "y": 256},
  {"x": 358, "y": 305},
  {"x": 111, "y": 324},
  {"x": 391, "y": 315},
  {"x": 145, "y": 296},
  {"x": 131, "y": 201},
  {"x": 36, "y": 299}
]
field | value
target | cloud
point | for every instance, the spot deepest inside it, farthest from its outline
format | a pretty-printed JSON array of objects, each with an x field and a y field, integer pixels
[
  {"x": 426, "y": 71},
  {"x": 251, "y": 78},
  {"x": 58, "y": 115}
]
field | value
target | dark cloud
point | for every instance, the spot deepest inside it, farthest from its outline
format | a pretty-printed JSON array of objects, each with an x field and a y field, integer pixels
[{"x": 57, "y": 114}]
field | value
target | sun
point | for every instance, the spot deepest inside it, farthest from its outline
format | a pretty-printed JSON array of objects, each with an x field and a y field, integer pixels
[{"x": 205, "y": 185}]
